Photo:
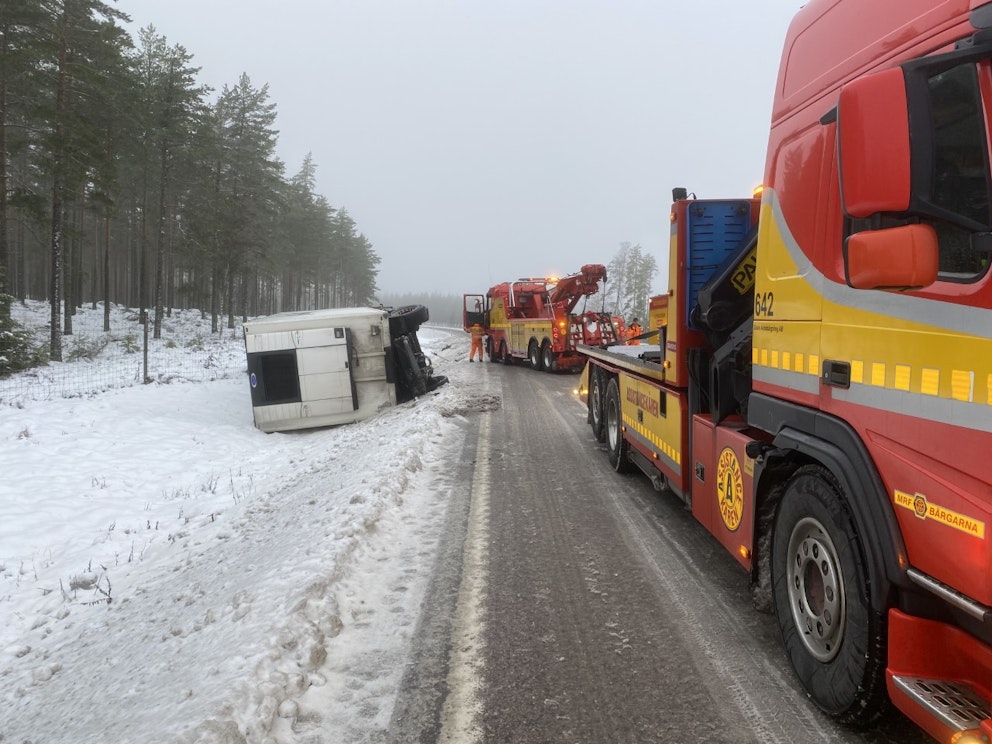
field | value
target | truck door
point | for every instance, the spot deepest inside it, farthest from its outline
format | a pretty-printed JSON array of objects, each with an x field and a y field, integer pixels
[{"x": 474, "y": 310}]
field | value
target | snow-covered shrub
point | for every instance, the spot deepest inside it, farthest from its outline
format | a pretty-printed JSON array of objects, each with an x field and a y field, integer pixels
[{"x": 16, "y": 349}]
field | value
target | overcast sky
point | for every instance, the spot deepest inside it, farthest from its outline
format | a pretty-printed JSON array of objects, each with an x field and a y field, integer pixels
[{"x": 479, "y": 141}]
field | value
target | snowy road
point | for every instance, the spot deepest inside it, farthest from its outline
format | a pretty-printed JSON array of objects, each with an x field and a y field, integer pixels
[
  {"x": 462, "y": 568},
  {"x": 608, "y": 614}
]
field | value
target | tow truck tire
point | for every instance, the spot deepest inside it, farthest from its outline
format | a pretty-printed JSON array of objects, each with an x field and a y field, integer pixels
[
  {"x": 534, "y": 354},
  {"x": 504, "y": 354},
  {"x": 616, "y": 447},
  {"x": 547, "y": 357},
  {"x": 833, "y": 637},
  {"x": 596, "y": 414}
]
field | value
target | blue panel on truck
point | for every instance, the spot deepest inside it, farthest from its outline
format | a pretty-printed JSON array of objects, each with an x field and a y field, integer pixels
[{"x": 714, "y": 231}]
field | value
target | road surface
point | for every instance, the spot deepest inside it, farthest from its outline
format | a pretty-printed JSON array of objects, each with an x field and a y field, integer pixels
[{"x": 572, "y": 604}]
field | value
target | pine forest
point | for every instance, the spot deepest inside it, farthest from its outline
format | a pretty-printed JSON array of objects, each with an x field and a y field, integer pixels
[{"x": 125, "y": 181}]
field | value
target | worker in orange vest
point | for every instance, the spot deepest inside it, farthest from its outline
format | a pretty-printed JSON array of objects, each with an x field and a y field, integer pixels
[
  {"x": 633, "y": 331},
  {"x": 477, "y": 332}
]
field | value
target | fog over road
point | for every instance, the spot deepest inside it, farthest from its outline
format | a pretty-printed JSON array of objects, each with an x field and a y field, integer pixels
[{"x": 571, "y": 604}]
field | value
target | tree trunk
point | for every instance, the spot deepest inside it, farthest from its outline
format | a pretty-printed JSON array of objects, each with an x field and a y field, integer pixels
[
  {"x": 160, "y": 248},
  {"x": 230, "y": 297},
  {"x": 58, "y": 208},
  {"x": 106, "y": 273},
  {"x": 215, "y": 289}
]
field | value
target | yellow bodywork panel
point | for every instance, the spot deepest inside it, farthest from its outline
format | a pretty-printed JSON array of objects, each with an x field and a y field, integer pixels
[{"x": 654, "y": 415}]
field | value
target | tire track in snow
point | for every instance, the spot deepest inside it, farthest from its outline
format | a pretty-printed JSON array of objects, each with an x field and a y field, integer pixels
[{"x": 463, "y": 705}]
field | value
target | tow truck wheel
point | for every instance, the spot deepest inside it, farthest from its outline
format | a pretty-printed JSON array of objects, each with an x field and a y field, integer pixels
[
  {"x": 534, "y": 353},
  {"x": 504, "y": 354},
  {"x": 616, "y": 446},
  {"x": 596, "y": 420},
  {"x": 833, "y": 637},
  {"x": 547, "y": 357}
]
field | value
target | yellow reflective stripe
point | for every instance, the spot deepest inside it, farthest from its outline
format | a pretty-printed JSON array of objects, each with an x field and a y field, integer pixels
[
  {"x": 857, "y": 371},
  {"x": 962, "y": 382},
  {"x": 657, "y": 442},
  {"x": 902, "y": 377},
  {"x": 962, "y": 385},
  {"x": 878, "y": 374}
]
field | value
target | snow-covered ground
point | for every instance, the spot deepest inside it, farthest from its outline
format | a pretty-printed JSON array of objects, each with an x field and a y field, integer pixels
[{"x": 169, "y": 573}]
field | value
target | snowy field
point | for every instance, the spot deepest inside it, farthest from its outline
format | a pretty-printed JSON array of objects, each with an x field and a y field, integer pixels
[{"x": 168, "y": 573}]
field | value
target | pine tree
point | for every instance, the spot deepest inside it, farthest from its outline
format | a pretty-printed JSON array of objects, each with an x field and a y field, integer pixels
[
  {"x": 173, "y": 104},
  {"x": 79, "y": 34},
  {"x": 250, "y": 181},
  {"x": 20, "y": 51},
  {"x": 16, "y": 351}
]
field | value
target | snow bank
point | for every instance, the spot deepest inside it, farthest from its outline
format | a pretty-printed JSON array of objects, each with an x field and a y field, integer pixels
[{"x": 170, "y": 573}]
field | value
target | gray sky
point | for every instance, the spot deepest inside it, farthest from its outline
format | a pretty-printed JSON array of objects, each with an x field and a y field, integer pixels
[{"x": 475, "y": 142}]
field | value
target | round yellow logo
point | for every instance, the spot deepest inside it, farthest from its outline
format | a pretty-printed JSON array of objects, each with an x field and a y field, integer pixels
[{"x": 730, "y": 489}]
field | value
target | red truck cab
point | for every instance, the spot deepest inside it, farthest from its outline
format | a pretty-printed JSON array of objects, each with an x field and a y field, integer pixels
[{"x": 821, "y": 394}]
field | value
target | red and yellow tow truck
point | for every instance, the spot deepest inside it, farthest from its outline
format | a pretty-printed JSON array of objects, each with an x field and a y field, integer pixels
[
  {"x": 534, "y": 319},
  {"x": 820, "y": 390}
]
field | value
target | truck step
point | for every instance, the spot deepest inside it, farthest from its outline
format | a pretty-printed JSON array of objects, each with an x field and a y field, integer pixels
[{"x": 953, "y": 703}]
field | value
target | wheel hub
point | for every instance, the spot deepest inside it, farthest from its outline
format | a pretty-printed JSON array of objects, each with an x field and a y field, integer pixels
[
  {"x": 612, "y": 424},
  {"x": 816, "y": 589}
]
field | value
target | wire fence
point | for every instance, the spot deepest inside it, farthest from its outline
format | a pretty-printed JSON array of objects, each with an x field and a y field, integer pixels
[{"x": 96, "y": 360}]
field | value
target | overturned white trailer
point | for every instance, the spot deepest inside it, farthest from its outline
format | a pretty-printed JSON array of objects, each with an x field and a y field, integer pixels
[{"x": 337, "y": 366}]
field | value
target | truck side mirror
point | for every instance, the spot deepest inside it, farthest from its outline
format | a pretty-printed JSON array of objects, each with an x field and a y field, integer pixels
[
  {"x": 873, "y": 144},
  {"x": 904, "y": 257}
]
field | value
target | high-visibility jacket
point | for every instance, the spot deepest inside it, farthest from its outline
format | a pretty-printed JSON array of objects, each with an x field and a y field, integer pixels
[{"x": 632, "y": 332}]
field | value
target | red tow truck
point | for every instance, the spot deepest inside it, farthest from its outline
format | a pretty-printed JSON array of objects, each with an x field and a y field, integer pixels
[
  {"x": 820, "y": 393},
  {"x": 534, "y": 319}
]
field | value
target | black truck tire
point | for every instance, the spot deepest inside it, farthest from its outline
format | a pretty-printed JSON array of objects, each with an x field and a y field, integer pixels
[
  {"x": 407, "y": 319},
  {"x": 534, "y": 354},
  {"x": 616, "y": 447},
  {"x": 548, "y": 358},
  {"x": 596, "y": 414},
  {"x": 833, "y": 637}
]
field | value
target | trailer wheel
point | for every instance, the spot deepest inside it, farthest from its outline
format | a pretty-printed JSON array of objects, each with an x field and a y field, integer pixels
[
  {"x": 547, "y": 357},
  {"x": 596, "y": 417},
  {"x": 833, "y": 637},
  {"x": 616, "y": 446},
  {"x": 416, "y": 383},
  {"x": 407, "y": 319},
  {"x": 534, "y": 354}
]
